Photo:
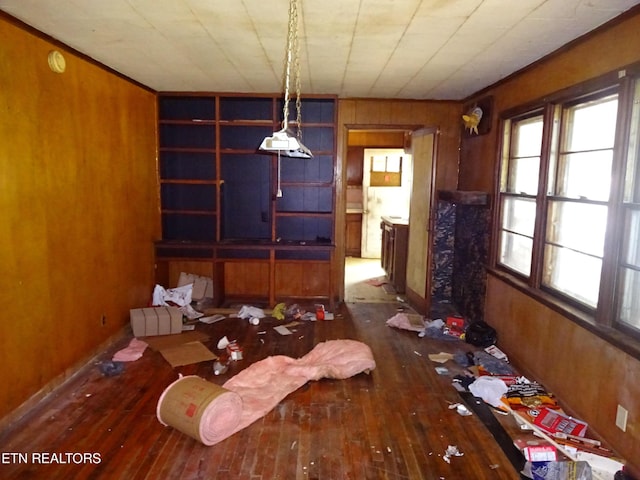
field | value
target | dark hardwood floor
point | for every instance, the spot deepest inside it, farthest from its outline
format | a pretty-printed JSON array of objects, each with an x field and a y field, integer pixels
[{"x": 394, "y": 423}]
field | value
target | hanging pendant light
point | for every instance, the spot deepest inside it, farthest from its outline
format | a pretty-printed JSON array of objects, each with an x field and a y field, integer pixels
[{"x": 283, "y": 141}]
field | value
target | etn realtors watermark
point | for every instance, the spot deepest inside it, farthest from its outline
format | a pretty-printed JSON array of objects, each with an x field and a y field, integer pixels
[{"x": 50, "y": 458}]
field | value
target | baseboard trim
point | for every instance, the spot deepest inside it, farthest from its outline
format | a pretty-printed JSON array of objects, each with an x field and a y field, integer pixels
[{"x": 12, "y": 419}]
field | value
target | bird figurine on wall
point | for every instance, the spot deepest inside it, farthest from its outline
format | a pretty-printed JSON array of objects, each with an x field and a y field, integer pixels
[{"x": 472, "y": 119}]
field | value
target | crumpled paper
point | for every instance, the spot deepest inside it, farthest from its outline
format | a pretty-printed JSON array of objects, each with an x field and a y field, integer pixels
[{"x": 180, "y": 296}]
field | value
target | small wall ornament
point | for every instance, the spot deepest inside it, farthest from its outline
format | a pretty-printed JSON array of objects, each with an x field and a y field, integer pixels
[
  {"x": 472, "y": 119},
  {"x": 476, "y": 117}
]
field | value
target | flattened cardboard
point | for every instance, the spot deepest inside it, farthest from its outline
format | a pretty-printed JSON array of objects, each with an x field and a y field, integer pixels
[
  {"x": 187, "y": 353},
  {"x": 167, "y": 341}
]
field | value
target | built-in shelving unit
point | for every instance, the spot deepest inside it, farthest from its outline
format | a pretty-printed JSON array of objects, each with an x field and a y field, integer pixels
[{"x": 221, "y": 215}]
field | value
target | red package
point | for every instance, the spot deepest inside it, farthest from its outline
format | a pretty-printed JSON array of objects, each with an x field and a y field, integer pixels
[{"x": 554, "y": 421}]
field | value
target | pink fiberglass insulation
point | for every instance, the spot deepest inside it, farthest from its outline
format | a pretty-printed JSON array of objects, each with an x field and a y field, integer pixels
[{"x": 264, "y": 384}]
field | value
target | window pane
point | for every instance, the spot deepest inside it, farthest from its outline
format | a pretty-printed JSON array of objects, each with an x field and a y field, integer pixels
[
  {"x": 523, "y": 175},
  {"x": 527, "y": 141},
  {"x": 519, "y": 215},
  {"x": 378, "y": 163},
  {"x": 630, "y": 307},
  {"x": 515, "y": 252},
  {"x": 578, "y": 226},
  {"x": 573, "y": 273},
  {"x": 631, "y": 184},
  {"x": 630, "y": 277},
  {"x": 524, "y": 157},
  {"x": 631, "y": 253},
  {"x": 586, "y": 175},
  {"x": 592, "y": 125},
  {"x": 393, "y": 163}
]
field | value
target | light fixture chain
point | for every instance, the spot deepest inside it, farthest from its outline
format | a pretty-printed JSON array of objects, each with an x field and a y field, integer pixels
[
  {"x": 297, "y": 74},
  {"x": 291, "y": 41}
]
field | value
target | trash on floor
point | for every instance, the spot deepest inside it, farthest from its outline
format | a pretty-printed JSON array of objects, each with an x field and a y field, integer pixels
[
  {"x": 560, "y": 470},
  {"x": 187, "y": 354},
  {"x": 150, "y": 321},
  {"x": 111, "y": 369},
  {"x": 405, "y": 321},
  {"x": 180, "y": 297},
  {"x": 212, "y": 318},
  {"x": 441, "y": 357},
  {"x": 132, "y": 352},
  {"x": 256, "y": 390},
  {"x": 461, "y": 409},
  {"x": 451, "y": 451},
  {"x": 247, "y": 312},
  {"x": 234, "y": 350},
  {"x": 489, "y": 389}
]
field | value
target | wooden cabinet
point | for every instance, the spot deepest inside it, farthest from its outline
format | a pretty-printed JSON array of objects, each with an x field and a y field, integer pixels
[
  {"x": 353, "y": 231},
  {"x": 395, "y": 236},
  {"x": 220, "y": 202}
]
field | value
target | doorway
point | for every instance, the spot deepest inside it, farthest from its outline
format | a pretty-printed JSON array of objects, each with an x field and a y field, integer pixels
[
  {"x": 386, "y": 191},
  {"x": 388, "y": 158}
]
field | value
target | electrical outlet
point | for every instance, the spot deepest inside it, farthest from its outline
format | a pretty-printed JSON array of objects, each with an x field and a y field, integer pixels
[
  {"x": 621, "y": 418},
  {"x": 103, "y": 320}
]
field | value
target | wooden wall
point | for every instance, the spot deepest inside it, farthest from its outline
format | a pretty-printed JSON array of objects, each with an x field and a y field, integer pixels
[
  {"x": 78, "y": 195},
  {"x": 589, "y": 375},
  {"x": 373, "y": 114}
]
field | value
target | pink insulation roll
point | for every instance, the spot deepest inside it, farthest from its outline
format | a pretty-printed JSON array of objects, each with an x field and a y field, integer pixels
[
  {"x": 200, "y": 409},
  {"x": 210, "y": 413}
]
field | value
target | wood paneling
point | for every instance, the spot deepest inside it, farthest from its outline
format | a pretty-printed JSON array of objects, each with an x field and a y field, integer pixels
[
  {"x": 302, "y": 279},
  {"x": 590, "y": 375},
  {"x": 376, "y": 139},
  {"x": 376, "y": 114},
  {"x": 79, "y": 210},
  {"x": 204, "y": 269},
  {"x": 250, "y": 278}
]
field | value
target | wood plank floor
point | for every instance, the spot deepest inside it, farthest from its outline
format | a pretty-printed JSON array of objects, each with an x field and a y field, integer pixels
[{"x": 394, "y": 423}]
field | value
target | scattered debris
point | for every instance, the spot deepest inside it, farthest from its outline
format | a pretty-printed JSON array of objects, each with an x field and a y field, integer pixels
[
  {"x": 451, "y": 451},
  {"x": 212, "y": 318},
  {"x": 111, "y": 369},
  {"x": 461, "y": 409},
  {"x": 441, "y": 357},
  {"x": 219, "y": 368},
  {"x": 248, "y": 312},
  {"x": 234, "y": 350}
]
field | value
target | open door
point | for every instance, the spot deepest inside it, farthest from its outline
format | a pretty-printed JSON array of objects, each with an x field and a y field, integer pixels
[{"x": 419, "y": 251}]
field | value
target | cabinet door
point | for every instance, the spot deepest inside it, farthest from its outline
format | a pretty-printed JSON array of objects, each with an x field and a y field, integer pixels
[
  {"x": 353, "y": 234},
  {"x": 246, "y": 196}
]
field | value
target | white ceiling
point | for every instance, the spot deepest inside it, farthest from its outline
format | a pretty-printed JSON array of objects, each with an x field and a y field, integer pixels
[{"x": 420, "y": 49}]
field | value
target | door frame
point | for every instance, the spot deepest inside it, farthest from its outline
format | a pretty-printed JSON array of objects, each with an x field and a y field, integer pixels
[{"x": 342, "y": 148}]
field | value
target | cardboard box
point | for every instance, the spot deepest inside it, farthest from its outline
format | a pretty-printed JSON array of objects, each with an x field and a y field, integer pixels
[
  {"x": 155, "y": 321},
  {"x": 537, "y": 450},
  {"x": 202, "y": 286}
]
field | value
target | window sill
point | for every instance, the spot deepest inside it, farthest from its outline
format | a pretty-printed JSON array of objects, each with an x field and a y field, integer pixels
[{"x": 616, "y": 338}]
